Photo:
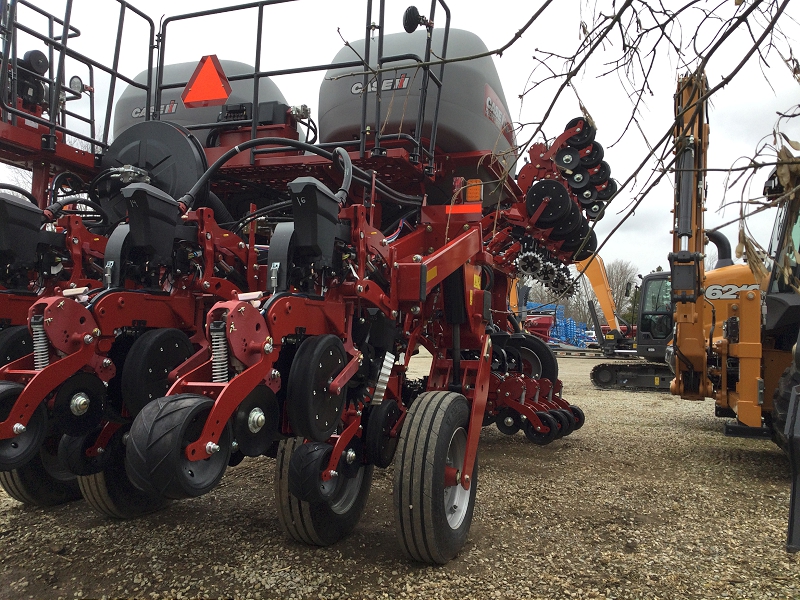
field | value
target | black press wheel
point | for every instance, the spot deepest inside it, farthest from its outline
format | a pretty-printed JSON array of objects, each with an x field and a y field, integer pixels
[
  {"x": 561, "y": 423},
  {"x": 537, "y": 360},
  {"x": 593, "y": 156},
  {"x": 545, "y": 434},
  {"x": 567, "y": 420},
  {"x": 319, "y": 523},
  {"x": 148, "y": 363},
  {"x": 155, "y": 457},
  {"x": 15, "y": 342},
  {"x": 110, "y": 492},
  {"x": 608, "y": 191},
  {"x": 578, "y": 415},
  {"x": 379, "y": 444},
  {"x": 314, "y": 412},
  {"x": 584, "y": 137},
  {"x": 42, "y": 481},
  {"x": 305, "y": 473},
  {"x": 508, "y": 421},
  {"x": 17, "y": 451},
  {"x": 433, "y": 518}
]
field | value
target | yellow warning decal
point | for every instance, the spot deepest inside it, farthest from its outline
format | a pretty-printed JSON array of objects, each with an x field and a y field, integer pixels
[
  {"x": 476, "y": 282},
  {"x": 432, "y": 272}
]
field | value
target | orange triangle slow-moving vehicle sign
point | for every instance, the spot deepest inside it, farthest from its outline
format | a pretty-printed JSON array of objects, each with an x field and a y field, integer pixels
[{"x": 208, "y": 85}]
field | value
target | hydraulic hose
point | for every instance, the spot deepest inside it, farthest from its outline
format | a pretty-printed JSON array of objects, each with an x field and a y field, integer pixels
[{"x": 359, "y": 174}]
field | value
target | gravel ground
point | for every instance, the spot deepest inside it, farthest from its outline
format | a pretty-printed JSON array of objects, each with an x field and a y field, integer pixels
[{"x": 648, "y": 500}]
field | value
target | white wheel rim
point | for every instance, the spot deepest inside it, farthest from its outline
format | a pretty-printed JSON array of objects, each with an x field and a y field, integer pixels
[{"x": 456, "y": 498}]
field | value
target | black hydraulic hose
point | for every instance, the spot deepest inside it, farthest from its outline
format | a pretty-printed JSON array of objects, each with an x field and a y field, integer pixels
[
  {"x": 188, "y": 199},
  {"x": 341, "y": 160},
  {"x": 398, "y": 220},
  {"x": 514, "y": 323},
  {"x": 19, "y": 190},
  {"x": 221, "y": 213}
]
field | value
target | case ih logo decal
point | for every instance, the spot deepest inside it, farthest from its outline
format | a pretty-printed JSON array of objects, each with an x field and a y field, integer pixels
[
  {"x": 166, "y": 109},
  {"x": 400, "y": 83},
  {"x": 494, "y": 110}
]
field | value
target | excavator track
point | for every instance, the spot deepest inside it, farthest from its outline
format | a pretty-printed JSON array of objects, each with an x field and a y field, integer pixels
[{"x": 633, "y": 375}]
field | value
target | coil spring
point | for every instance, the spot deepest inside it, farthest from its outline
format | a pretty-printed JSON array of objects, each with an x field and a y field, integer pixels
[
  {"x": 41, "y": 346},
  {"x": 219, "y": 352}
]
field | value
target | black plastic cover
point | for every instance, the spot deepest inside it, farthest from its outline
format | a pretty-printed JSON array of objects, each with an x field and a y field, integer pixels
[
  {"x": 316, "y": 217},
  {"x": 20, "y": 224},
  {"x": 153, "y": 216}
]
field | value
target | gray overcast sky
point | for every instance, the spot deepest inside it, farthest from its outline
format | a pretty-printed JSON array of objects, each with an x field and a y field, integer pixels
[{"x": 305, "y": 32}]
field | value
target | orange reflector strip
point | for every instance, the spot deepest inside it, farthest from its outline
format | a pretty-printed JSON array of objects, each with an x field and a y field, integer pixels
[
  {"x": 462, "y": 209},
  {"x": 208, "y": 85}
]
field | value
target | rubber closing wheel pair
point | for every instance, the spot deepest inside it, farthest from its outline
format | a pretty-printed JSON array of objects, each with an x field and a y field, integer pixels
[
  {"x": 432, "y": 516},
  {"x": 320, "y": 522},
  {"x": 155, "y": 453}
]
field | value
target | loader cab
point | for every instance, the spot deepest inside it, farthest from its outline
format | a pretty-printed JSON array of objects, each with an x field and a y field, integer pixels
[
  {"x": 782, "y": 299},
  {"x": 655, "y": 320}
]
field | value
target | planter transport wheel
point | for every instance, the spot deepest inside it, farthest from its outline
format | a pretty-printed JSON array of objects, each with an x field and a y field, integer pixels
[
  {"x": 314, "y": 412},
  {"x": 319, "y": 523},
  {"x": 155, "y": 457},
  {"x": 15, "y": 452},
  {"x": 432, "y": 516}
]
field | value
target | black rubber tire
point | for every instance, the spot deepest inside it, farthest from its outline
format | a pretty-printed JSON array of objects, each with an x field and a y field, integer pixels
[
  {"x": 15, "y": 342},
  {"x": 531, "y": 346},
  {"x": 151, "y": 357},
  {"x": 505, "y": 428},
  {"x": 610, "y": 190},
  {"x": 595, "y": 156},
  {"x": 588, "y": 249},
  {"x": 315, "y": 416},
  {"x": 569, "y": 420},
  {"x": 42, "y": 481},
  {"x": 585, "y": 137},
  {"x": 568, "y": 225},
  {"x": 433, "y": 424},
  {"x": 321, "y": 523},
  {"x": 578, "y": 414},
  {"x": 542, "y": 438},
  {"x": 111, "y": 493},
  {"x": 72, "y": 453},
  {"x": 305, "y": 467},
  {"x": 154, "y": 455},
  {"x": 780, "y": 406},
  {"x": 380, "y": 448},
  {"x": 561, "y": 421},
  {"x": 601, "y": 175},
  {"x": 16, "y": 452}
]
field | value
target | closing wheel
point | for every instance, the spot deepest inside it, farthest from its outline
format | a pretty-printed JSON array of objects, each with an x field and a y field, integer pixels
[
  {"x": 15, "y": 342},
  {"x": 600, "y": 174},
  {"x": 578, "y": 179},
  {"x": 305, "y": 470},
  {"x": 592, "y": 157},
  {"x": 578, "y": 415},
  {"x": 42, "y": 481},
  {"x": 155, "y": 457},
  {"x": 608, "y": 191},
  {"x": 379, "y": 444},
  {"x": 432, "y": 517},
  {"x": 110, "y": 491},
  {"x": 72, "y": 453},
  {"x": 314, "y": 412},
  {"x": 148, "y": 363},
  {"x": 508, "y": 421},
  {"x": 537, "y": 360},
  {"x": 15, "y": 452},
  {"x": 546, "y": 434},
  {"x": 565, "y": 422},
  {"x": 319, "y": 523}
]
